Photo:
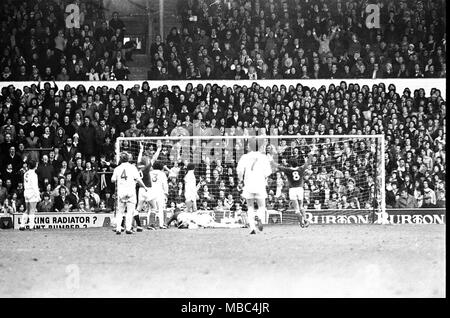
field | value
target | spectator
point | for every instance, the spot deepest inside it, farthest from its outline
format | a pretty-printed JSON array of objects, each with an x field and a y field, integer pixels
[
  {"x": 61, "y": 184},
  {"x": 88, "y": 177},
  {"x": 46, "y": 205},
  {"x": 62, "y": 200},
  {"x": 116, "y": 23},
  {"x": 16, "y": 201},
  {"x": 333, "y": 203},
  {"x": 81, "y": 208},
  {"x": 13, "y": 159},
  {"x": 94, "y": 198},
  {"x": 45, "y": 172},
  {"x": 121, "y": 72},
  {"x": 73, "y": 197},
  {"x": 68, "y": 151},
  {"x": 3, "y": 192},
  {"x": 11, "y": 176},
  {"x": 344, "y": 204},
  {"x": 440, "y": 194},
  {"x": 405, "y": 200},
  {"x": 429, "y": 196},
  {"x": 7, "y": 207},
  {"x": 87, "y": 137}
]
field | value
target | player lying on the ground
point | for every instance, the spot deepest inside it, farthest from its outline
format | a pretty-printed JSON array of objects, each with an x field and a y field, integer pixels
[
  {"x": 199, "y": 219},
  {"x": 295, "y": 175}
]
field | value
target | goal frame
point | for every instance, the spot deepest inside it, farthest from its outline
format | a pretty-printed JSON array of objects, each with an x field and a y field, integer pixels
[{"x": 380, "y": 137}]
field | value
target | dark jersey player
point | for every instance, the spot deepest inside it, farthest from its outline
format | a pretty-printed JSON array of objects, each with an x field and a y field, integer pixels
[
  {"x": 295, "y": 175},
  {"x": 146, "y": 162}
]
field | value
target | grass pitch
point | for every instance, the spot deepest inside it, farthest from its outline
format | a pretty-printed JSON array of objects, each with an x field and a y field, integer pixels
[{"x": 282, "y": 261}]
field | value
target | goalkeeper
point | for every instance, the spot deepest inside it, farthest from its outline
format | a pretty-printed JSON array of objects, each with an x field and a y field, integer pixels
[{"x": 295, "y": 176}]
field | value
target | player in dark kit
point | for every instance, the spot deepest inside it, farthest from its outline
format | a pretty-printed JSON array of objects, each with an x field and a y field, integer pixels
[
  {"x": 146, "y": 198},
  {"x": 295, "y": 175}
]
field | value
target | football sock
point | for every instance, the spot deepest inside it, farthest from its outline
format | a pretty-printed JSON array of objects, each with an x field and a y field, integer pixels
[
  {"x": 128, "y": 221},
  {"x": 119, "y": 220},
  {"x": 299, "y": 216},
  {"x": 24, "y": 219},
  {"x": 251, "y": 217},
  {"x": 161, "y": 218},
  {"x": 31, "y": 217},
  {"x": 138, "y": 220}
]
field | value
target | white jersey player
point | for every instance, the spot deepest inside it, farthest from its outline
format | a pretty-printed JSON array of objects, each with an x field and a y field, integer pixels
[
  {"x": 159, "y": 191},
  {"x": 31, "y": 195},
  {"x": 126, "y": 176},
  {"x": 190, "y": 189},
  {"x": 253, "y": 169}
]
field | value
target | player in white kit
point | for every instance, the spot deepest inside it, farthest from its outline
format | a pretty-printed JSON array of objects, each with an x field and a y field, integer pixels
[
  {"x": 253, "y": 170},
  {"x": 126, "y": 176},
  {"x": 159, "y": 191},
  {"x": 31, "y": 195},
  {"x": 190, "y": 189}
]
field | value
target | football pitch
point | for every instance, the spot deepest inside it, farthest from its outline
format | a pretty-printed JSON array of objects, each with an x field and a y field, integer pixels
[{"x": 282, "y": 261}]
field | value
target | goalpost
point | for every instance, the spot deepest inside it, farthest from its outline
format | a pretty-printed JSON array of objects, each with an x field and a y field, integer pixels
[{"x": 344, "y": 184}]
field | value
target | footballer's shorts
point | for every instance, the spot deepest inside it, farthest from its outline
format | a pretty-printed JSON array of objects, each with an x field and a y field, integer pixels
[
  {"x": 252, "y": 195},
  {"x": 32, "y": 198},
  {"x": 146, "y": 195},
  {"x": 127, "y": 199},
  {"x": 190, "y": 196},
  {"x": 296, "y": 193}
]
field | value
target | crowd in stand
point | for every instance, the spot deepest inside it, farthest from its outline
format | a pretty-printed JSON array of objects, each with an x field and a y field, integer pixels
[
  {"x": 36, "y": 44},
  {"x": 266, "y": 39},
  {"x": 261, "y": 39},
  {"x": 71, "y": 131}
]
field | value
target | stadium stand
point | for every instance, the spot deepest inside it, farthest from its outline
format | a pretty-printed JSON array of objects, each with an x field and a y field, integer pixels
[
  {"x": 229, "y": 40},
  {"x": 302, "y": 39},
  {"x": 37, "y": 45},
  {"x": 72, "y": 130}
]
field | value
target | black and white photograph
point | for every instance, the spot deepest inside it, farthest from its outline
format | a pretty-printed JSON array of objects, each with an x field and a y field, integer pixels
[{"x": 223, "y": 149}]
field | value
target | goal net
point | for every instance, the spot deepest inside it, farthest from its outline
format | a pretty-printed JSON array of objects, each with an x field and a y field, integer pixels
[{"x": 343, "y": 184}]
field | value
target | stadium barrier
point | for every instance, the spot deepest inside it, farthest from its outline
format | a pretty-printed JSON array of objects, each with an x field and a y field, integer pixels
[
  {"x": 67, "y": 220},
  {"x": 392, "y": 216},
  {"x": 400, "y": 84},
  {"x": 74, "y": 220}
]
